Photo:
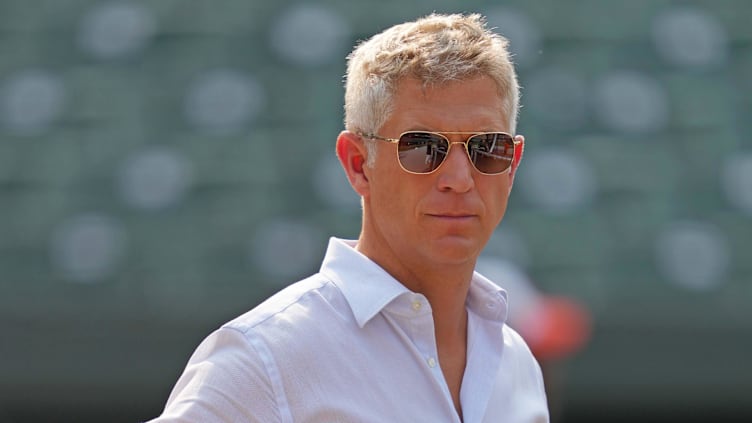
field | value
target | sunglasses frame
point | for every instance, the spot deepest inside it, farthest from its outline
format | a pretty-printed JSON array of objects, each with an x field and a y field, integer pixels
[{"x": 466, "y": 143}]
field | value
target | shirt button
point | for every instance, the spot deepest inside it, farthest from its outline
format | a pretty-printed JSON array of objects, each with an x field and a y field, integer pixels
[
  {"x": 416, "y": 305},
  {"x": 431, "y": 362}
]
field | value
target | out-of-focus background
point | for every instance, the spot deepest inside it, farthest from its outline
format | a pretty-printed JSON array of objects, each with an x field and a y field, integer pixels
[{"x": 166, "y": 165}]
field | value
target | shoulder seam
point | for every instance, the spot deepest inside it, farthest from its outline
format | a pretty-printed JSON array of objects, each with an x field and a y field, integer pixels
[{"x": 247, "y": 327}]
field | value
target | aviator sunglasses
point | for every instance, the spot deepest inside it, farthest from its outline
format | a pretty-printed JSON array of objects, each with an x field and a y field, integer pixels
[{"x": 422, "y": 152}]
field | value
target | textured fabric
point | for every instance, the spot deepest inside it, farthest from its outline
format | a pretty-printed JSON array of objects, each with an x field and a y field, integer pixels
[{"x": 352, "y": 344}]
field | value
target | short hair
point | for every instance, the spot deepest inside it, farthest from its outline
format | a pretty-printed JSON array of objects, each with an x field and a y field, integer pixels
[{"x": 434, "y": 49}]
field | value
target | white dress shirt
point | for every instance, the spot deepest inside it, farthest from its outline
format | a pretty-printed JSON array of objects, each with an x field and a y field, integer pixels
[{"x": 352, "y": 344}]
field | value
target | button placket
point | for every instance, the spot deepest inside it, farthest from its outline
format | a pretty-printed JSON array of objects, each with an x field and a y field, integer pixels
[{"x": 423, "y": 326}]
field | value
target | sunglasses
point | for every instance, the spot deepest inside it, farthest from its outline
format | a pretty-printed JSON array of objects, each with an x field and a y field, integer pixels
[{"x": 422, "y": 152}]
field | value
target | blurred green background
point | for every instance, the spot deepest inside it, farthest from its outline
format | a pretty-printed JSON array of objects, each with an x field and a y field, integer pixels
[{"x": 166, "y": 165}]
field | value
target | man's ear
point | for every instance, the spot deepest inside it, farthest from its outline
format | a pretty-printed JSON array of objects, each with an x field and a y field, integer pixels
[
  {"x": 519, "y": 148},
  {"x": 352, "y": 154}
]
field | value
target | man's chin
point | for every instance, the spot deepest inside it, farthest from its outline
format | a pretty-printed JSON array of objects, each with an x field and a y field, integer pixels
[{"x": 456, "y": 249}]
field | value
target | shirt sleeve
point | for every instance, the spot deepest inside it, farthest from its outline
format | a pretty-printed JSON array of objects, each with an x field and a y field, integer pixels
[{"x": 225, "y": 380}]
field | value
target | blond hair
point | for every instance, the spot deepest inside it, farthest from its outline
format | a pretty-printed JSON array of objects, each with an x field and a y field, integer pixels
[{"x": 434, "y": 49}]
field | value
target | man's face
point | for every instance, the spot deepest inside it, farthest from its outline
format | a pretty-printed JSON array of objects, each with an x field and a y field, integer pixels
[{"x": 444, "y": 218}]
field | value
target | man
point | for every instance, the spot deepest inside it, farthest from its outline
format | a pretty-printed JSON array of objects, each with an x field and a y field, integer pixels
[{"x": 396, "y": 326}]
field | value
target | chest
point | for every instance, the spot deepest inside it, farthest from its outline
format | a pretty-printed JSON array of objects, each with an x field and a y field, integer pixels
[{"x": 390, "y": 371}]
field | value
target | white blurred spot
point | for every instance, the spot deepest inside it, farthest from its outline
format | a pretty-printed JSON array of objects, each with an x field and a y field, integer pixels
[
  {"x": 224, "y": 100},
  {"x": 115, "y": 29},
  {"x": 309, "y": 35},
  {"x": 558, "y": 98},
  {"x": 287, "y": 248},
  {"x": 525, "y": 38},
  {"x": 558, "y": 180},
  {"x": 30, "y": 101},
  {"x": 86, "y": 248},
  {"x": 331, "y": 185},
  {"x": 693, "y": 255},
  {"x": 154, "y": 179},
  {"x": 690, "y": 37},
  {"x": 631, "y": 102},
  {"x": 737, "y": 181},
  {"x": 509, "y": 244}
]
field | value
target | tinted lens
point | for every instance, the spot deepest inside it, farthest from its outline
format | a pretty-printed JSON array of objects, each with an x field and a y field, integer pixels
[
  {"x": 421, "y": 152},
  {"x": 491, "y": 153}
]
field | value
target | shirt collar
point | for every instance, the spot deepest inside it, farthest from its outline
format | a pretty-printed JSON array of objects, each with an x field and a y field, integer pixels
[
  {"x": 486, "y": 299},
  {"x": 368, "y": 288}
]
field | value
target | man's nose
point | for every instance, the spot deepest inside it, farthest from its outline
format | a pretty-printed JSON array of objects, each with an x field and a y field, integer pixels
[{"x": 456, "y": 173}]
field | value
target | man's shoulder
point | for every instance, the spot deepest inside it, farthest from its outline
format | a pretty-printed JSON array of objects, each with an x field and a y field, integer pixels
[
  {"x": 512, "y": 339},
  {"x": 295, "y": 302},
  {"x": 517, "y": 350}
]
